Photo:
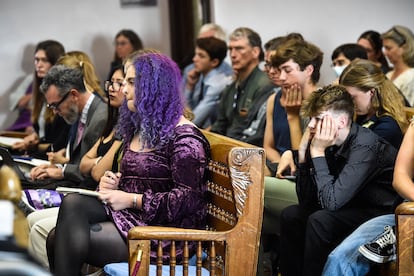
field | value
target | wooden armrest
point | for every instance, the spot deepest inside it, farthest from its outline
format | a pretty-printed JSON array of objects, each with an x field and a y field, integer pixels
[
  {"x": 405, "y": 208},
  {"x": 172, "y": 233},
  {"x": 15, "y": 134}
]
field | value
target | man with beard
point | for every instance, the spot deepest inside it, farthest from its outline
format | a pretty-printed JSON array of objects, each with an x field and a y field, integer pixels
[{"x": 66, "y": 95}]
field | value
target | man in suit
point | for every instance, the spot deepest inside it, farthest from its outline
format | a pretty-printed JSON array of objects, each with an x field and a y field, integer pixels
[{"x": 67, "y": 96}]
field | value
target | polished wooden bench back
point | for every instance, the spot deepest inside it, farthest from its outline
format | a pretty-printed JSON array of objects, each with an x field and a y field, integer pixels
[
  {"x": 404, "y": 217},
  {"x": 235, "y": 212}
]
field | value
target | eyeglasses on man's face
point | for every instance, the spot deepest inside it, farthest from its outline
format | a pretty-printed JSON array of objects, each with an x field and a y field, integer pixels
[
  {"x": 116, "y": 86},
  {"x": 55, "y": 106}
]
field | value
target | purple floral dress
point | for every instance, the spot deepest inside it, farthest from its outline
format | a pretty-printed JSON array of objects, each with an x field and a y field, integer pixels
[{"x": 173, "y": 183}]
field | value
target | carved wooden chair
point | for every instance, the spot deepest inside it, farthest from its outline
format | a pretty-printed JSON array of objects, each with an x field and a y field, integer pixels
[{"x": 235, "y": 212}]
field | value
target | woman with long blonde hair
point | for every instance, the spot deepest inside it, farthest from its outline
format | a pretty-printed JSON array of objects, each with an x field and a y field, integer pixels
[{"x": 378, "y": 102}]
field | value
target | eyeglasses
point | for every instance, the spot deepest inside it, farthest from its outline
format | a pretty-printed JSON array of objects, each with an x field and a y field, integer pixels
[
  {"x": 55, "y": 106},
  {"x": 115, "y": 85},
  {"x": 121, "y": 43}
]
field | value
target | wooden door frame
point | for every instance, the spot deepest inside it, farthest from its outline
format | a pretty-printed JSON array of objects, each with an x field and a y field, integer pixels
[{"x": 183, "y": 28}]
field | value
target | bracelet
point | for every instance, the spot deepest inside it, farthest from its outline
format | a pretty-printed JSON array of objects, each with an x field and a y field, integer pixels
[
  {"x": 97, "y": 160},
  {"x": 134, "y": 201}
]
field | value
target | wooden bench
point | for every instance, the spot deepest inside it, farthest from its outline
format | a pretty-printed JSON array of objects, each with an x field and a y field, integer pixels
[{"x": 235, "y": 213}]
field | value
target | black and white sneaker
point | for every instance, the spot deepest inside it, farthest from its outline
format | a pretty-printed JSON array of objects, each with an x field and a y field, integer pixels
[{"x": 382, "y": 248}]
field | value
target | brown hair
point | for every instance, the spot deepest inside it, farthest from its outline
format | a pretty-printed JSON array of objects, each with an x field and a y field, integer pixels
[
  {"x": 334, "y": 97},
  {"x": 303, "y": 53}
]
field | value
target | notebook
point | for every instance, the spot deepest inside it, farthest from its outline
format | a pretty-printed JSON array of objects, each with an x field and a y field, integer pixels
[
  {"x": 68, "y": 190},
  {"x": 7, "y": 142}
]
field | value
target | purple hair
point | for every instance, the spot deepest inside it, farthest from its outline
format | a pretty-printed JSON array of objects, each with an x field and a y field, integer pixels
[{"x": 158, "y": 101}]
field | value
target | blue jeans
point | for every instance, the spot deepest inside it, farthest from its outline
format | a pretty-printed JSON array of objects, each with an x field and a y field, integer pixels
[{"x": 345, "y": 259}]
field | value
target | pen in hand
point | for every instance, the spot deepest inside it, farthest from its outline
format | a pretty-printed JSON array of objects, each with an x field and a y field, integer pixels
[{"x": 52, "y": 150}]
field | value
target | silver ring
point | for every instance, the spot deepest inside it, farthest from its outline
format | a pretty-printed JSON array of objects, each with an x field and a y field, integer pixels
[{"x": 104, "y": 202}]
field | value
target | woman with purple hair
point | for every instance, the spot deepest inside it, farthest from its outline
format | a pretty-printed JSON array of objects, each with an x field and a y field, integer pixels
[{"x": 161, "y": 180}]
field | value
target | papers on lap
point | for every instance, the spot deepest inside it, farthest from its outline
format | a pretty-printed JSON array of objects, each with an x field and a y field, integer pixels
[
  {"x": 30, "y": 161},
  {"x": 67, "y": 190},
  {"x": 7, "y": 142}
]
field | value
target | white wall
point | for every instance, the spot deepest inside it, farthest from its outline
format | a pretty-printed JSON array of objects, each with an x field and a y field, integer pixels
[
  {"x": 326, "y": 23},
  {"x": 90, "y": 25},
  {"x": 86, "y": 25}
]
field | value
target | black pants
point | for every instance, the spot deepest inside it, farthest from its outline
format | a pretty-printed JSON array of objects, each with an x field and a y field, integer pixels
[
  {"x": 83, "y": 234},
  {"x": 308, "y": 236}
]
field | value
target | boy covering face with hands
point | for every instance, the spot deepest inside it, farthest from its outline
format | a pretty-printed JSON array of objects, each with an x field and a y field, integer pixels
[{"x": 344, "y": 176}]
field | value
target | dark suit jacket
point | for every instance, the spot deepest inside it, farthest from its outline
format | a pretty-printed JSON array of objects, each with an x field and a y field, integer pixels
[{"x": 95, "y": 123}]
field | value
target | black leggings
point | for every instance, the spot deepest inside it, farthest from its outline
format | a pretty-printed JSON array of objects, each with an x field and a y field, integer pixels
[{"x": 83, "y": 234}]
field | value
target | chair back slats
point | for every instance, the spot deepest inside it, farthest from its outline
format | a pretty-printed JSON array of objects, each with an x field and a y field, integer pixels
[
  {"x": 199, "y": 255},
  {"x": 159, "y": 259},
  {"x": 186, "y": 256},
  {"x": 221, "y": 208},
  {"x": 212, "y": 259},
  {"x": 173, "y": 261}
]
